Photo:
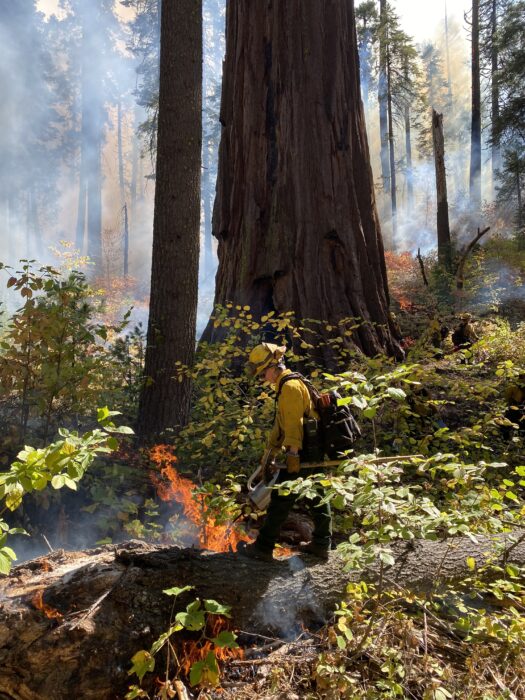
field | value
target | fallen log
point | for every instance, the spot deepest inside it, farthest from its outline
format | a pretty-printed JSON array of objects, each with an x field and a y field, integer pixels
[{"x": 107, "y": 603}]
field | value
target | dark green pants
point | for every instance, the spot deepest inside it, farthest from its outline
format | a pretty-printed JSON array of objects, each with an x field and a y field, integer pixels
[{"x": 278, "y": 511}]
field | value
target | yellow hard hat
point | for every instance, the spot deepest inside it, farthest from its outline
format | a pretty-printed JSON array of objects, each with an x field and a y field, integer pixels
[{"x": 262, "y": 356}]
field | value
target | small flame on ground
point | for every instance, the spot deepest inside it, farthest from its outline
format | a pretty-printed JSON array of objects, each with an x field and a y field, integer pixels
[
  {"x": 46, "y": 566},
  {"x": 404, "y": 303},
  {"x": 195, "y": 650},
  {"x": 38, "y": 601},
  {"x": 174, "y": 487}
]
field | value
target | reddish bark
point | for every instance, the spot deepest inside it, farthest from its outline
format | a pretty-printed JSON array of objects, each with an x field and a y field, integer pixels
[{"x": 295, "y": 213}]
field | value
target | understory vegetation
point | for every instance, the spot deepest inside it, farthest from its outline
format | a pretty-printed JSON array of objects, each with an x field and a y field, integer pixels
[{"x": 443, "y": 418}]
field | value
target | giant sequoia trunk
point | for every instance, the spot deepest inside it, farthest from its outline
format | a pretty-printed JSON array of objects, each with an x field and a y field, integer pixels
[
  {"x": 108, "y": 604},
  {"x": 165, "y": 401},
  {"x": 295, "y": 214}
]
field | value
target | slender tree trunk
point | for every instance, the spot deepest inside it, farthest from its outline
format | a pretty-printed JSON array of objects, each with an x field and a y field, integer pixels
[
  {"x": 94, "y": 204},
  {"x": 122, "y": 190},
  {"x": 120, "y": 153},
  {"x": 126, "y": 241},
  {"x": 391, "y": 149},
  {"x": 295, "y": 213},
  {"x": 496, "y": 151},
  {"x": 134, "y": 167},
  {"x": 520, "y": 221},
  {"x": 443, "y": 228},
  {"x": 408, "y": 152},
  {"x": 164, "y": 401},
  {"x": 207, "y": 201},
  {"x": 475, "y": 137},
  {"x": 449, "y": 73},
  {"x": 81, "y": 211},
  {"x": 382, "y": 95},
  {"x": 34, "y": 245}
]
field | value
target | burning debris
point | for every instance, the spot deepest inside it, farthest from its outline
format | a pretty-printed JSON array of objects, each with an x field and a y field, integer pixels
[
  {"x": 38, "y": 601},
  {"x": 172, "y": 487}
]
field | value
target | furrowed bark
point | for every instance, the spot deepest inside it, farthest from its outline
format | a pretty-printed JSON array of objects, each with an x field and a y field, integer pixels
[{"x": 295, "y": 212}]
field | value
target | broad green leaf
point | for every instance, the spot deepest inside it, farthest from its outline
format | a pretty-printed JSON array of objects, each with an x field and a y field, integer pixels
[
  {"x": 196, "y": 673},
  {"x": 387, "y": 558},
  {"x": 161, "y": 641},
  {"x": 192, "y": 621},
  {"x": 143, "y": 662},
  {"x": 216, "y": 608},
  {"x": 175, "y": 591},
  {"x": 225, "y": 639},
  {"x": 5, "y": 563},
  {"x": 58, "y": 481},
  {"x": 471, "y": 563},
  {"x": 396, "y": 394}
]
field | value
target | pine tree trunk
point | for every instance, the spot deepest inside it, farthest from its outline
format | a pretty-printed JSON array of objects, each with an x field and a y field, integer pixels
[
  {"x": 126, "y": 241},
  {"x": 94, "y": 204},
  {"x": 382, "y": 96},
  {"x": 496, "y": 151},
  {"x": 81, "y": 211},
  {"x": 475, "y": 137},
  {"x": 207, "y": 199},
  {"x": 443, "y": 228},
  {"x": 90, "y": 191},
  {"x": 391, "y": 151},
  {"x": 408, "y": 152},
  {"x": 165, "y": 401},
  {"x": 449, "y": 74},
  {"x": 295, "y": 212}
]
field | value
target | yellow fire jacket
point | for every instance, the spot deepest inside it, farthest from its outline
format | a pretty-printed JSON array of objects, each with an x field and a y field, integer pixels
[{"x": 293, "y": 404}]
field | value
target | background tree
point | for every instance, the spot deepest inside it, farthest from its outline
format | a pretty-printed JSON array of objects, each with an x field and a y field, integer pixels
[
  {"x": 382, "y": 94},
  {"x": 508, "y": 126},
  {"x": 165, "y": 401},
  {"x": 295, "y": 215},
  {"x": 367, "y": 25},
  {"x": 30, "y": 135},
  {"x": 475, "y": 128}
]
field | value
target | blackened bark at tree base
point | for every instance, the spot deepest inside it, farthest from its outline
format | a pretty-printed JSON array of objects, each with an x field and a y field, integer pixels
[
  {"x": 295, "y": 213},
  {"x": 112, "y": 605}
]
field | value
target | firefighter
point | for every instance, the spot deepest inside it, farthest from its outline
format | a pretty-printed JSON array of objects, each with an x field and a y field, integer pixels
[
  {"x": 293, "y": 409},
  {"x": 437, "y": 334},
  {"x": 515, "y": 412},
  {"x": 464, "y": 334}
]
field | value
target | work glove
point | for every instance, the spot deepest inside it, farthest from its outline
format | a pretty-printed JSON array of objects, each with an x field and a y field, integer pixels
[{"x": 293, "y": 463}]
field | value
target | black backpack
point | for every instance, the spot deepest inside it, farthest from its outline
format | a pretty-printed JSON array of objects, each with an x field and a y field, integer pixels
[{"x": 336, "y": 429}]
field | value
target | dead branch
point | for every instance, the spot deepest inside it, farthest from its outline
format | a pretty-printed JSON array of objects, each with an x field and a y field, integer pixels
[
  {"x": 422, "y": 267},
  {"x": 460, "y": 269}
]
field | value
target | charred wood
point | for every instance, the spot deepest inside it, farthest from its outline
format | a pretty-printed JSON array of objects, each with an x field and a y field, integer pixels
[{"x": 110, "y": 604}]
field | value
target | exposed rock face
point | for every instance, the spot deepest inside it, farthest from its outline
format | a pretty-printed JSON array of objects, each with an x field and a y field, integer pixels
[{"x": 111, "y": 604}]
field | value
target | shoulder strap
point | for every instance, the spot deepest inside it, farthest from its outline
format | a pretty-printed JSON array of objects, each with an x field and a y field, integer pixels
[
  {"x": 314, "y": 394},
  {"x": 292, "y": 375}
]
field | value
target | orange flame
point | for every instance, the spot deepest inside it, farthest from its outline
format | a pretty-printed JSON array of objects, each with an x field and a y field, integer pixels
[
  {"x": 38, "y": 601},
  {"x": 404, "y": 303},
  {"x": 196, "y": 650},
  {"x": 174, "y": 487}
]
